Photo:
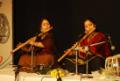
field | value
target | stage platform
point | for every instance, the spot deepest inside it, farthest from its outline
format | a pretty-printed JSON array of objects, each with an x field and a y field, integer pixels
[{"x": 8, "y": 74}]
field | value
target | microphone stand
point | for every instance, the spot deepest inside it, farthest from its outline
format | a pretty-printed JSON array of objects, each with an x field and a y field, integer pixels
[
  {"x": 76, "y": 59},
  {"x": 76, "y": 64},
  {"x": 32, "y": 58},
  {"x": 87, "y": 61}
]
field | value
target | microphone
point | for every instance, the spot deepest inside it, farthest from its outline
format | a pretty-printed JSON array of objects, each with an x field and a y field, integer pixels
[{"x": 112, "y": 46}]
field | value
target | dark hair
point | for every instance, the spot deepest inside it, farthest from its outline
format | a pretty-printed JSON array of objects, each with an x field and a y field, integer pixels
[
  {"x": 92, "y": 19},
  {"x": 46, "y": 18}
]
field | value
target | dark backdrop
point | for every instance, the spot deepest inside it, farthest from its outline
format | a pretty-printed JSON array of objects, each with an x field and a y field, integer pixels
[{"x": 66, "y": 16}]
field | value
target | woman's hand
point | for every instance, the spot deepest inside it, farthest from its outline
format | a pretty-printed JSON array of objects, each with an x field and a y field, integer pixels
[
  {"x": 24, "y": 48},
  {"x": 37, "y": 44},
  {"x": 83, "y": 49},
  {"x": 32, "y": 42}
]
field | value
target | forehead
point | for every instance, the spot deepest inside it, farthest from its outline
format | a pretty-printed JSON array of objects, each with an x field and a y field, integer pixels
[
  {"x": 88, "y": 22},
  {"x": 45, "y": 21}
]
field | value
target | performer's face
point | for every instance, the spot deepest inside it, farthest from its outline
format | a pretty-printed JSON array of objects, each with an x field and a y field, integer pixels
[
  {"x": 45, "y": 25},
  {"x": 88, "y": 26}
]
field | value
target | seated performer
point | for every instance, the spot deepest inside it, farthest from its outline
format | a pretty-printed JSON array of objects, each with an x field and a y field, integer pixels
[
  {"x": 40, "y": 49},
  {"x": 92, "y": 47}
]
